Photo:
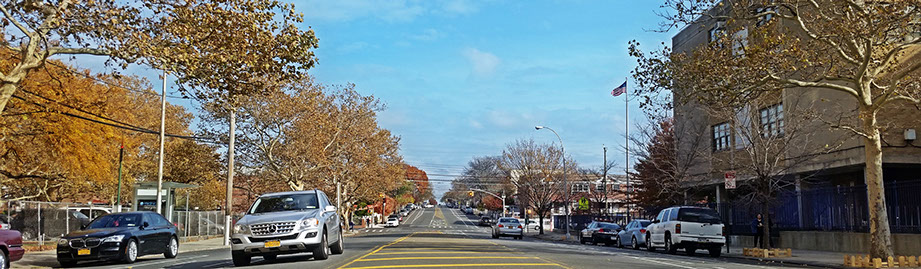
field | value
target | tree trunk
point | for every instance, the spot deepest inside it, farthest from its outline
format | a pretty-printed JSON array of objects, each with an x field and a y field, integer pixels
[
  {"x": 880, "y": 237},
  {"x": 6, "y": 92},
  {"x": 541, "y": 222},
  {"x": 766, "y": 220}
]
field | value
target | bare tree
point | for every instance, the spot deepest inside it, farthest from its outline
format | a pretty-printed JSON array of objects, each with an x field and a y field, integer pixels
[
  {"x": 535, "y": 170},
  {"x": 866, "y": 51}
]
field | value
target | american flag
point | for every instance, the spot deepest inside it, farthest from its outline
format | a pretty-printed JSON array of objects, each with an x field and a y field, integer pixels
[{"x": 619, "y": 90}]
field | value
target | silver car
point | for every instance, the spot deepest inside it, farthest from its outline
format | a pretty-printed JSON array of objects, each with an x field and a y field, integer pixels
[
  {"x": 507, "y": 227},
  {"x": 634, "y": 235},
  {"x": 287, "y": 223}
]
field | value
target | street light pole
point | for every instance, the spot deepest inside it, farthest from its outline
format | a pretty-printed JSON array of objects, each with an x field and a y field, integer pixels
[{"x": 565, "y": 183}]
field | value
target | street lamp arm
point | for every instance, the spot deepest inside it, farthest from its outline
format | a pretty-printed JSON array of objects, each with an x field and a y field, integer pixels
[{"x": 486, "y": 192}]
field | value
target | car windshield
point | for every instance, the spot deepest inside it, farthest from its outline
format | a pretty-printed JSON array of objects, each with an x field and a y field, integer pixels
[
  {"x": 114, "y": 221},
  {"x": 702, "y": 215},
  {"x": 288, "y": 202},
  {"x": 392, "y": 219}
]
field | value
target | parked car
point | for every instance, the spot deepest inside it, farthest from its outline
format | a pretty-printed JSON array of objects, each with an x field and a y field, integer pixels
[
  {"x": 287, "y": 223},
  {"x": 392, "y": 222},
  {"x": 598, "y": 232},
  {"x": 686, "y": 227},
  {"x": 508, "y": 227},
  {"x": 486, "y": 221},
  {"x": 121, "y": 236},
  {"x": 634, "y": 234},
  {"x": 532, "y": 224},
  {"x": 468, "y": 210},
  {"x": 11, "y": 242},
  {"x": 429, "y": 206}
]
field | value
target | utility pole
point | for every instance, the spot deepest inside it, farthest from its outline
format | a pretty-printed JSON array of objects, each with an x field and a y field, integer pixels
[
  {"x": 118, "y": 195},
  {"x": 162, "y": 141},
  {"x": 228, "y": 210},
  {"x": 604, "y": 179}
]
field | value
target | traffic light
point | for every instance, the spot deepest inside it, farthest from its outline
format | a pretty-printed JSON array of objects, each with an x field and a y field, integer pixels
[{"x": 470, "y": 193}]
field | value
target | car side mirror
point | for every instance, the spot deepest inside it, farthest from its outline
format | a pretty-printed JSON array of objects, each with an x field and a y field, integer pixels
[{"x": 330, "y": 208}]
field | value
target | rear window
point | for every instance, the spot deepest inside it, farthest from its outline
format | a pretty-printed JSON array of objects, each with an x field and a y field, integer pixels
[
  {"x": 609, "y": 226},
  {"x": 643, "y": 224},
  {"x": 393, "y": 219},
  {"x": 510, "y": 221},
  {"x": 701, "y": 215}
]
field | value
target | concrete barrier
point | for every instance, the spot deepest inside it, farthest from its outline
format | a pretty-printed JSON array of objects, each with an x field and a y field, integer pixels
[{"x": 903, "y": 244}]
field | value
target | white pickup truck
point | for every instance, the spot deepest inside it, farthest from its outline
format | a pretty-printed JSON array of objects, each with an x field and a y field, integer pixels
[{"x": 687, "y": 227}]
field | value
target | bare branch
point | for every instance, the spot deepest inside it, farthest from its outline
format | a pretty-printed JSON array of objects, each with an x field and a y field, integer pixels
[
  {"x": 22, "y": 28},
  {"x": 89, "y": 51}
]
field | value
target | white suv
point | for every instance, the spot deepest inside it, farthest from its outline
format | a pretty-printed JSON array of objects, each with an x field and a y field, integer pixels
[{"x": 686, "y": 227}]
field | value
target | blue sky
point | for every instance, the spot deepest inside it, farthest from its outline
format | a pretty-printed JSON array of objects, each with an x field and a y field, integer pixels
[{"x": 464, "y": 78}]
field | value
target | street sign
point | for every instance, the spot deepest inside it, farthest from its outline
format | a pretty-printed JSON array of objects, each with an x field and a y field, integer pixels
[
  {"x": 730, "y": 180},
  {"x": 583, "y": 203}
]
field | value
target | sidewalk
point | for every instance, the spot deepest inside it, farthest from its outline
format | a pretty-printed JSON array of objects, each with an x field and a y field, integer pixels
[
  {"x": 800, "y": 257},
  {"x": 48, "y": 259}
]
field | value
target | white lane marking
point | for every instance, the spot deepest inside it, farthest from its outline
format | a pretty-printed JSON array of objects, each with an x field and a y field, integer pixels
[
  {"x": 433, "y": 216},
  {"x": 660, "y": 262},
  {"x": 171, "y": 260}
]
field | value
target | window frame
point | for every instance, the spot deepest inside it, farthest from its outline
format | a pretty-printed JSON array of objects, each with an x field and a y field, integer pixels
[
  {"x": 723, "y": 141},
  {"x": 771, "y": 120}
]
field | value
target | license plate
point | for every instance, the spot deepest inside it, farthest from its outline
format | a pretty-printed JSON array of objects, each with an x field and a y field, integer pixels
[
  {"x": 701, "y": 239},
  {"x": 272, "y": 244},
  {"x": 84, "y": 251}
]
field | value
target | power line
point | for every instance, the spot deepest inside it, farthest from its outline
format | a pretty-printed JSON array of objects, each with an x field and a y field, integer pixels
[{"x": 109, "y": 84}]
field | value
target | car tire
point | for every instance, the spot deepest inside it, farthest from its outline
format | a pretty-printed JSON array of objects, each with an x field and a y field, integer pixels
[
  {"x": 581, "y": 240},
  {"x": 338, "y": 248},
  {"x": 321, "y": 252},
  {"x": 669, "y": 247},
  {"x": 634, "y": 244},
  {"x": 4, "y": 260},
  {"x": 270, "y": 257},
  {"x": 172, "y": 250},
  {"x": 619, "y": 243},
  {"x": 715, "y": 252},
  {"x": 240, "y": 258},
  {"x": 131, "y": 251},
  {"x": 649, "y": 246},
  {"x": 690, "y": 251}
]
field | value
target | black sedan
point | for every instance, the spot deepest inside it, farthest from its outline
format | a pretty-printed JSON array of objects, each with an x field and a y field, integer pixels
[
  {"x": 599, "y": 232},
  {"x": 119, "y": 237}
]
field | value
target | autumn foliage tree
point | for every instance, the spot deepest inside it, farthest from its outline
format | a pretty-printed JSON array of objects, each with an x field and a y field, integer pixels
[{"x": 869, "y": 52}]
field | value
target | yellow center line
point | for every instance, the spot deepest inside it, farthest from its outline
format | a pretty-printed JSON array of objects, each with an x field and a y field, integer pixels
[
  {"x": 376, "y": 250},
  {"x": 454, "y": 265},
  {"x": 433, "y": 252},
  {"x": 445, "y": 248},
  {"x": 445, "y": 258}
]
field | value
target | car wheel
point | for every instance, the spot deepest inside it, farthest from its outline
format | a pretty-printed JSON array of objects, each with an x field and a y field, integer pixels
[
  {"x": 690, "y": 251},
  {"x": 669, "y": 247},
  {"x": 338, "y": 248},
  {"x": 270, "y": 257},
  {"x": 322, "y": 251},
  {"x": 619, "y": 243},
  {"x": 4, "y": 260},
  {"x": 634, "y": 244},
  {"x": 240, "y": 258},
  {"x": 581, "y": 240},
  {"x": 649, "y": 246},
  {"x": 172, "y": 250},
  {"x": 715, "y": 252},
  {"x": 131, "y": 251}
]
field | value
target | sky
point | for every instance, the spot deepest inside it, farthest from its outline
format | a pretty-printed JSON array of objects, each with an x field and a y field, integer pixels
[{"x": 462, "y": 79}]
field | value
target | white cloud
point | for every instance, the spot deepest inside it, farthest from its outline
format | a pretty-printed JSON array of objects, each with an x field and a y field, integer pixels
[
  {"x": 476, "y": 124},
  {"x": 459, "y": 7},
  {"x": 484, "y": 63}
]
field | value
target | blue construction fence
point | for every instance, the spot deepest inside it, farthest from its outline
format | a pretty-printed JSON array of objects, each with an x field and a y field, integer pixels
[{"x": 837, "y": 208}]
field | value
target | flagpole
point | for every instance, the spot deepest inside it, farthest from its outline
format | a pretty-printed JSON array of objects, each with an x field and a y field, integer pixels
[{"x": 627, "y": 147}]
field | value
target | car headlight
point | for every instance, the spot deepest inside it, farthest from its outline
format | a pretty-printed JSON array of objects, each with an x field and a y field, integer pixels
[
  {"x": 310, "y": 223},
  {"x": 114, "y": 238},
  {"x": 63, "y": 242},
  {"x": 241, "y": 229}
]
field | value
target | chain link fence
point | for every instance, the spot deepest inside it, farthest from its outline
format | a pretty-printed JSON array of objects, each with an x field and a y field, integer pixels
[{"x": 46, "y": 222}]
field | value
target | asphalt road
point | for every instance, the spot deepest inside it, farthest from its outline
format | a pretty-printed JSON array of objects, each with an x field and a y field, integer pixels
[{"x": 446, "y": 238}]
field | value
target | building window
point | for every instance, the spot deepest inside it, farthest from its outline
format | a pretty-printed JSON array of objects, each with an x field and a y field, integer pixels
[
  {"x": 580, "y": 187},
  {"x": 718, "y": 31},
  {"x": 599, "y": 188},
  {"x": 772, "y": 120},
  {"x": 764, "y": 19},
  {"x": 721, "y": 136}
]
